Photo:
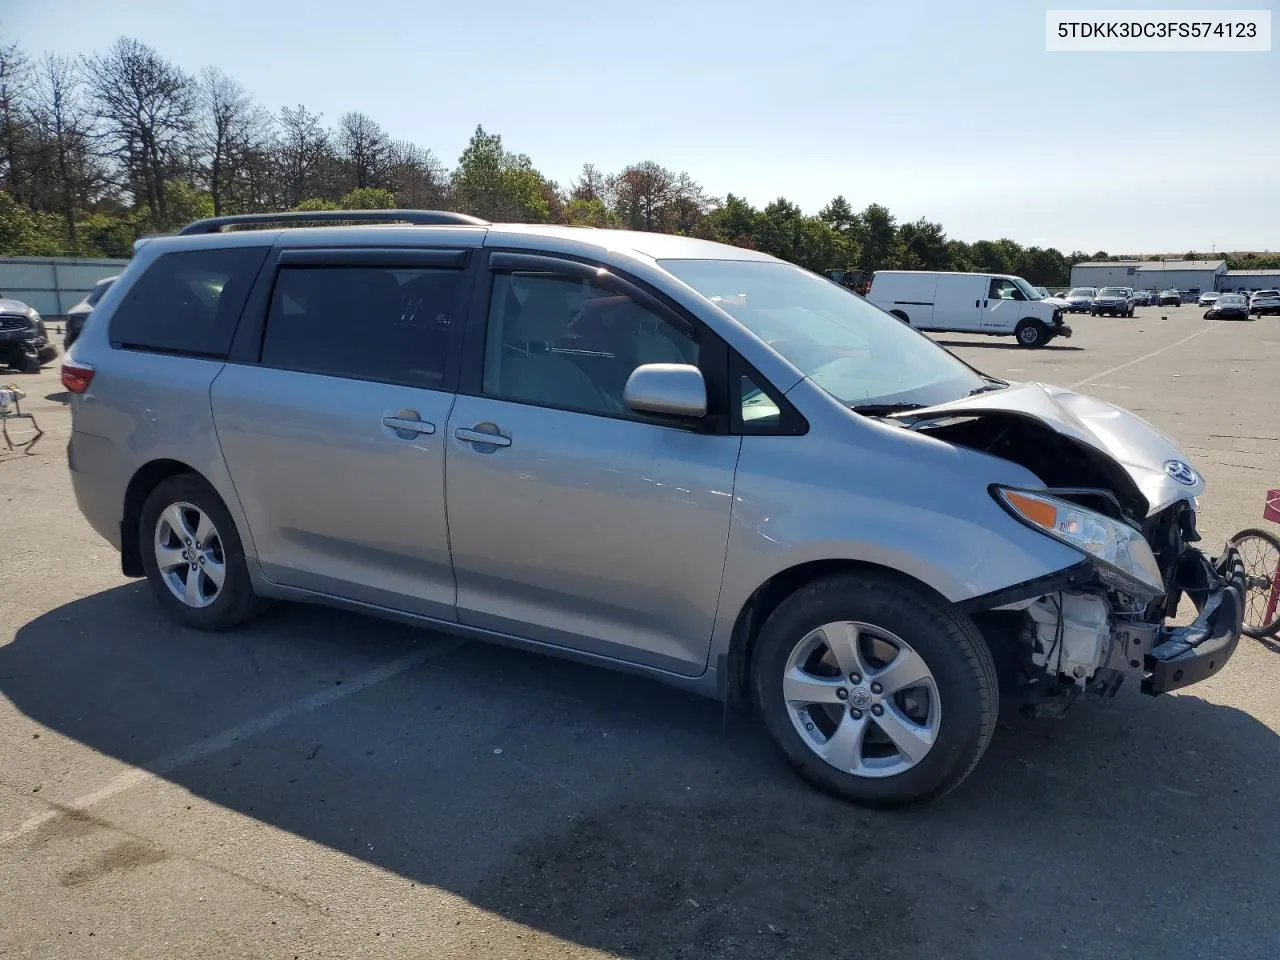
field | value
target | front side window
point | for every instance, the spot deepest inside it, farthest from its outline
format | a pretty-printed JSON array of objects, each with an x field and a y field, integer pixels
[
  {"x": 853, "y": 350},
  {"x": 560, "y": 341},
  {"x": 1005, "y": 290},
  {"x": 388, "y": 324}
]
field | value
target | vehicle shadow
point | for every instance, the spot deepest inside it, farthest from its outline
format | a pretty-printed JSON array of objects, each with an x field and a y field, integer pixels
[
  {"x": 985, "y": 344},
  {"x": 616, "y": 813},
  {"x": 63, "y": 396}
]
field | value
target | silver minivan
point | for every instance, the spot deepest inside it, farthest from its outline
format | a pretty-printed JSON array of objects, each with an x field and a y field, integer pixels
[{"x": 649, "y": 452}]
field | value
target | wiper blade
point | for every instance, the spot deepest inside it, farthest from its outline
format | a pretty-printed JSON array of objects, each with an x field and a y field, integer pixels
[
  {"x": 989, "y": 387},
  {"x": 880, "y": 409}
]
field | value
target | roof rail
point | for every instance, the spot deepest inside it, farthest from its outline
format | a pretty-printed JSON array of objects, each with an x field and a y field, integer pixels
[{"x": 417, "y": 217}]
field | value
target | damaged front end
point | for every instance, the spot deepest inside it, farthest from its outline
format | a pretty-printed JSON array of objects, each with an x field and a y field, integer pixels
[{"x": 1107, "y": 618}]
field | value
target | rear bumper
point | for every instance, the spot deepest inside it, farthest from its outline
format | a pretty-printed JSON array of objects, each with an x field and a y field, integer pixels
[{"x": 1182, "y": 656}]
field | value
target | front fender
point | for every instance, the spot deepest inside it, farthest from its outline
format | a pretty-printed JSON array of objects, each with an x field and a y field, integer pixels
[{"x": 903, "y": 501}]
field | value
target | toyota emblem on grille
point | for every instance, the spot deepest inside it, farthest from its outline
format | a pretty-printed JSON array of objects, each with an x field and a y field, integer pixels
[{"x": 1180, "y": 471}]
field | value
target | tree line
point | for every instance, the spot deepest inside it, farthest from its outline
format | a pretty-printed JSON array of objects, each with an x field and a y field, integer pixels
[{"x": 98, "y": 150}]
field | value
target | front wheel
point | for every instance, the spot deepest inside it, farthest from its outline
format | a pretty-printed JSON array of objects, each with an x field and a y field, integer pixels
[
  {"x": 874, "y": 690},
  {"x": 1031, "y": 333}
]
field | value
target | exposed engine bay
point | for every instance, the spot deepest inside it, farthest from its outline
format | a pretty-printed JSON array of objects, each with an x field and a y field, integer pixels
[{"x": 1090, "y": 633}]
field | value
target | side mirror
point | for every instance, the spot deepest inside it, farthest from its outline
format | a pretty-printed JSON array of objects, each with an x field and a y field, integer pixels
[{"x": 666, "y": 389}]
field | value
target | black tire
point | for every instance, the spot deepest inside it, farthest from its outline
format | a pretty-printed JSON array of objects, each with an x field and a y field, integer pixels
[
  {"x": 236, "y": 602},
  {"x": 952, "y": 648},
  {"x": 1031, "y": 333},
  {"x": 1255, "y": 600},
  {"x": 901, "y": 316},
  {"x": 1093, "y": 313}
]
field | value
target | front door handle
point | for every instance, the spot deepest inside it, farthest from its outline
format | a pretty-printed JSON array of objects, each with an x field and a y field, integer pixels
[
  {"x": 482, "y": 435},
  {"x": 408, "y": 424}
]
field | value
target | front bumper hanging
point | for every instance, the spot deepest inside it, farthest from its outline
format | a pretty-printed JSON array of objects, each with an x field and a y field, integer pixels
[{"x": 1182, "y": 656}]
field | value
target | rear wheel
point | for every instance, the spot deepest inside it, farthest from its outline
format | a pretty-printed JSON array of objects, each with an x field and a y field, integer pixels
[
  {"x": 874, "y": 690},
  {"x": 1031, "y": 333},
  {"x": 901, "y": 316},
  {"x": 193, "y": 557},
  {"x": 1260, "y": 554}
]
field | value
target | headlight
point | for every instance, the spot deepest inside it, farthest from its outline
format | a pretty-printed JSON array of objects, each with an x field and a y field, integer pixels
[
  {"x": 33, "y": 319},
  {"x": 1125, "y": 560}
]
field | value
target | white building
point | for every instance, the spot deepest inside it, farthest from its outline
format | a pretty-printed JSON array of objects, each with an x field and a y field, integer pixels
[
  {"x": 1251, "y": 280},
  {"x": 1151, "y": 274}
]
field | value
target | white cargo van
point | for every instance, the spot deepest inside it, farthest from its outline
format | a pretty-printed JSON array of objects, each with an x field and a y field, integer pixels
[{"x": 990, "y": 303}]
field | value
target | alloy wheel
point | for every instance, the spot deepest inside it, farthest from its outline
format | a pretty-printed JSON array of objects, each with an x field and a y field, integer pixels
[
  {"x": 189, "y": 555},
  {"x": 862, "y": 699}
]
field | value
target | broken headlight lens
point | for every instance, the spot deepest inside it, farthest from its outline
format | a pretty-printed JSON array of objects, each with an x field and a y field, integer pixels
[{"x": 1125, "y": 560}]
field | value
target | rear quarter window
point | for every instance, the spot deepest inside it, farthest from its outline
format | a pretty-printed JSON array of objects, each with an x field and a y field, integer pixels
[{"x": 187, "y": 302}]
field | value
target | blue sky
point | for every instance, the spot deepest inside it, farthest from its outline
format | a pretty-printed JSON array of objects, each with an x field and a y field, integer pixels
[{"x": 949, "y": 110}]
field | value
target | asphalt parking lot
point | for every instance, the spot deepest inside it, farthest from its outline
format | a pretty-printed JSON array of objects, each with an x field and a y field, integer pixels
[{"x": 321, "y": 785}]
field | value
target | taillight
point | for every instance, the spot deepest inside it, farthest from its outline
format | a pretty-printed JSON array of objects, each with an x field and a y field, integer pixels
[{"x": 76, "y": 377}]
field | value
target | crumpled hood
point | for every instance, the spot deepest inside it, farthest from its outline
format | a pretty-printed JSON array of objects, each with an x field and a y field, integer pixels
[
  {"x": 13, "y": 307},
  {"x": 1157, "y": 466}
]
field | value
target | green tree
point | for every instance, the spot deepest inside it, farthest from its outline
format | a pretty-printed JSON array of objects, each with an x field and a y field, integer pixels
[
  {"x": 735, "y": 222},
  {"x": 27, "y": 233},
  {"x": 492, "y": 183},
  {"x": 878, "y": 236},
  {"x": 368, "y": 198},
  {"x": 590, "y": 213},
  {"x": 923, "y": 246}
]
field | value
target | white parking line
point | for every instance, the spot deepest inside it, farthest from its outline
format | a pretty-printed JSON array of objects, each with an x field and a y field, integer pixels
[
  {"x": 1130, "y": 363},
  {"x": 162, "y": 766}
]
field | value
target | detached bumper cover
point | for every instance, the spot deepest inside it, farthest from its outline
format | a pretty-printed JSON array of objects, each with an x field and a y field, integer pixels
[{"x": 1187, "y": 655}]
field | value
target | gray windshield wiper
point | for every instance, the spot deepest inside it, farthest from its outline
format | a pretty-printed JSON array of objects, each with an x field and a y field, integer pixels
[
  {"x": 989, "y": 387},
  {"x": 881, "y": 409}
]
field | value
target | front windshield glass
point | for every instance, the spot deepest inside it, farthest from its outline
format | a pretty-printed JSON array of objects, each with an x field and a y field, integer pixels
[
  {"x": 853, "y": 350},
  {"x": 1081, "y": 292},
  {"x": 1111, "y": 292},
  {"x": 1230, "y": 298},
  {"x": 1027, "y": 289}
]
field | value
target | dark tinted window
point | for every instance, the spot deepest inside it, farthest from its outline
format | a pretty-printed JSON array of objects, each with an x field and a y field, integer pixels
[
  {"x": 390, "y": 324},
  {"x": 563, "y": 342},
  {"x": 187, "y": 302}
]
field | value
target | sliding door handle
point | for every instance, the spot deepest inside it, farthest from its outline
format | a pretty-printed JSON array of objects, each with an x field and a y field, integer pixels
[
  {"x": 407, "y": 424},
  {"x": 482, "y": 435}
]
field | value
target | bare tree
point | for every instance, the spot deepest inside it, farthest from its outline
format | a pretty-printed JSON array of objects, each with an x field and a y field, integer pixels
[
  {"x": 15, "y": 84},
  {"x": 643, "y": 193},
  {"x": 147, "y": 106},
  {"x": 69, "y": 174},
  {"x": 591, "y": 185},
  {"x": 232, "y": 129},
  {"x": 364, "y": 147},
  {"x": 302, "y": 152},
  {"x": 418, "y": 179}
]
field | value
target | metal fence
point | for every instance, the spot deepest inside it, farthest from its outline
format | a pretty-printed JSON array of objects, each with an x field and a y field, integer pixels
[{"x": 53, "y": 285}]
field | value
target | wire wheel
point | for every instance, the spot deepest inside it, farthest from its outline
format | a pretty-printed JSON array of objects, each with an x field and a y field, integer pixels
[
  {"x": 862, "y": 699},
  {"x": 1260, "y": 553},
  {"x": 189, "y": 555}
]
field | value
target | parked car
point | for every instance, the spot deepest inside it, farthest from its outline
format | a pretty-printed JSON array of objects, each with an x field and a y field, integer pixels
[
  {"x": 994, "y": 304},
  {"x": 1144, "y": 298},
  {"x": 1113, "y": 301},
  {"x": 24, "y": 339},
  {"x": 77, "y": 315},
  {"x": 665, "y": 455},
  {"x": 1229, "y": 306},
  {"x": 1265, "y": 302},
  {"x": 1080, "y": 299},
  {"x": 1208, "y": 298},
  {"x": 1169, "y": 298}
]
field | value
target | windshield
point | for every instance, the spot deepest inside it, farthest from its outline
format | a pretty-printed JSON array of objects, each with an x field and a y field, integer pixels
[
  {"x": 96, "y": 293},
  {"x": 1081, "y": 292},
  {"x": 1231, "y": 298},
  {"x": 1267, "y": 293},
  {"x": 856, "y": 352},
  {"x": 1027, "y": 289},
  {"x": 1112, "y": 292}
]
